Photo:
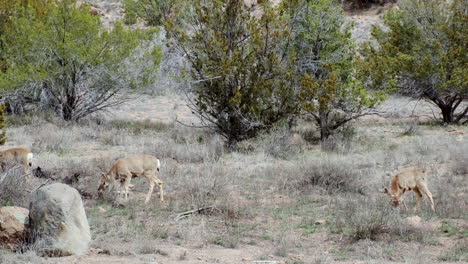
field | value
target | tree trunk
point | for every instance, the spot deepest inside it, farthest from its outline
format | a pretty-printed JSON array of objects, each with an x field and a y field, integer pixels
[
  {"x": 231, "y": 144},
  {"x": 324, "y": 128},
  {"x": 447, "y": 105},
  {"x": 69, "y": 105},
  {"x": 447, "y": 114},
  {"x": 67, "y": 113},
  {"x": 325, "y": 131}
]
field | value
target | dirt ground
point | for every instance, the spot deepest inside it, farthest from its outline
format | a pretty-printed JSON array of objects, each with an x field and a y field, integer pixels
[
  {"x": 265, "y": 209},
  {"x": 262, "y": 213}
]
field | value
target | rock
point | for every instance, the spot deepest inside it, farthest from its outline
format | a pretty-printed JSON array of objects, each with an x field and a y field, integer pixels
[
  {"x": 102, "y": 210},
  {"x": 12, "y": 226},
  {"x": 95, "y": 12},
  {"x": 414, "y": 221},
  {"x": 320, "y": 222},
  {"x": 57, "y": 221}
]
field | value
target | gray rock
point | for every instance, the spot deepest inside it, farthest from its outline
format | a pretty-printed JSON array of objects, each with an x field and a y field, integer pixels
[{"x": 57, "y": 221}]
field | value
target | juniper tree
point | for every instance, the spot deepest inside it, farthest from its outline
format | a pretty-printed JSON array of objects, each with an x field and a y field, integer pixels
[
  {"x": 239, "y": 79},
  {"x": 324, "y": 56},
  {"x": 8, "y": 8},
  {"x": 152, "y": 12},
  {"x": 422, "y": 52},
  {"x": 65, "y": 60}
]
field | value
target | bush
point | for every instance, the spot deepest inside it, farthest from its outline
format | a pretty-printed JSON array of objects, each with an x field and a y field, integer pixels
[
  {"x": 365, "y": 218},
  {"x": 439, "y": 73},
  {"x": 87, "y": 65},
  {"x": 16, "y": 188},
  {"x": 331, "y": 174},
  {"x": 199, "y": 186},
  {"x": 243, "y": 89},
  {"x": 330, "y": 92},
  {"x": 282, "y": 143},
  {"x": 340, "y": 141},
  {"x": 153, "y": 12},
  {"x": 460, "y": 165},
  {"x": 450, "y": 195}
]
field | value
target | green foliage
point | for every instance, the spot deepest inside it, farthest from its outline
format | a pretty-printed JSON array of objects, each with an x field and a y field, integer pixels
[
  {"x": 422, "y": 53},
  {"x": 138, "y": 127},
  {"x": 153, "y": 12},
  {"x": 65, "y": 58},
  {"x": 323, "y": 55},
  {"x": 3, "y": 124},
  {"x": 240, "y": 79},
  {"x": 7, "y": 10},
  {"x": 448, "y": 228},
  {"x": 308, "y": 226}
]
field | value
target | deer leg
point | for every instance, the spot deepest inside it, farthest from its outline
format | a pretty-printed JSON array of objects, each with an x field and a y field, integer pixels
[
  {"x": 161, "y": 191},
  {"x": 426, "y": 191},
  {"x": 125, "y": 191},
  {"x": 419, "y": 198},
  {"x": 404, "y": 204},
  {"x": 150, "y": 191},
  {"x": 156, "y": 180},
  {"x": 125, "y": 182},
  {"x": 27, "y": 174}
]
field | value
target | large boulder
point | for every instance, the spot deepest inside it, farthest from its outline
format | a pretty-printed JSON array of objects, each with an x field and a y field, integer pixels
[
  {"x": 57, "y": 221},
  {"x": 12, "y": 226}
]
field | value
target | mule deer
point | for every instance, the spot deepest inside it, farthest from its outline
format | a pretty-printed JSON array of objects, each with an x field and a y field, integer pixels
[
  {"x": 14, "y": 156},
  {"x": 406, "y": 180},
  {"x": 134, "y": 166}
]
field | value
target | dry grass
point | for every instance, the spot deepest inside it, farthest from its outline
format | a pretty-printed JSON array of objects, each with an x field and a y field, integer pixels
[
  {"x": 266, "y": 196},
  {"x": 458, "y": 254},
  {"x": 364, "y": 218},
  {"x": 16, "y": 187},
  {"x": 28, "y": 257},
  {"x": 332, "y": 174}
]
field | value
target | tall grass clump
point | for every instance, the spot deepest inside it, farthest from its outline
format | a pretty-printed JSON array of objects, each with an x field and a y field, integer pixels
[
  {"x": 331, "y": 174},
  {"x": 364, "y": 218},
  {"x": 16, "y": 188}
]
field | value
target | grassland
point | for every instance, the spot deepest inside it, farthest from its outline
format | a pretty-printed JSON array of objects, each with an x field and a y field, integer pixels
[{"x": 279, "y": 197}]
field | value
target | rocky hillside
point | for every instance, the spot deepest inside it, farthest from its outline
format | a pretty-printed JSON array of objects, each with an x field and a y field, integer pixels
[
  {"x": 112, "y": 10},
  {"x": 109, "y": 10}
]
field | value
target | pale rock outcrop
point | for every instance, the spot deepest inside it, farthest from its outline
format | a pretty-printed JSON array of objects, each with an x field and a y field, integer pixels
[{"x": 57, "y": 220}]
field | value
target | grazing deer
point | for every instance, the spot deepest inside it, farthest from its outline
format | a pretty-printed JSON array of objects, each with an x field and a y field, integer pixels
[
  {"x": 134, "y": 166},
  {"x": 14, "y": 156},
  {"x": 406, "y": 180}
]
